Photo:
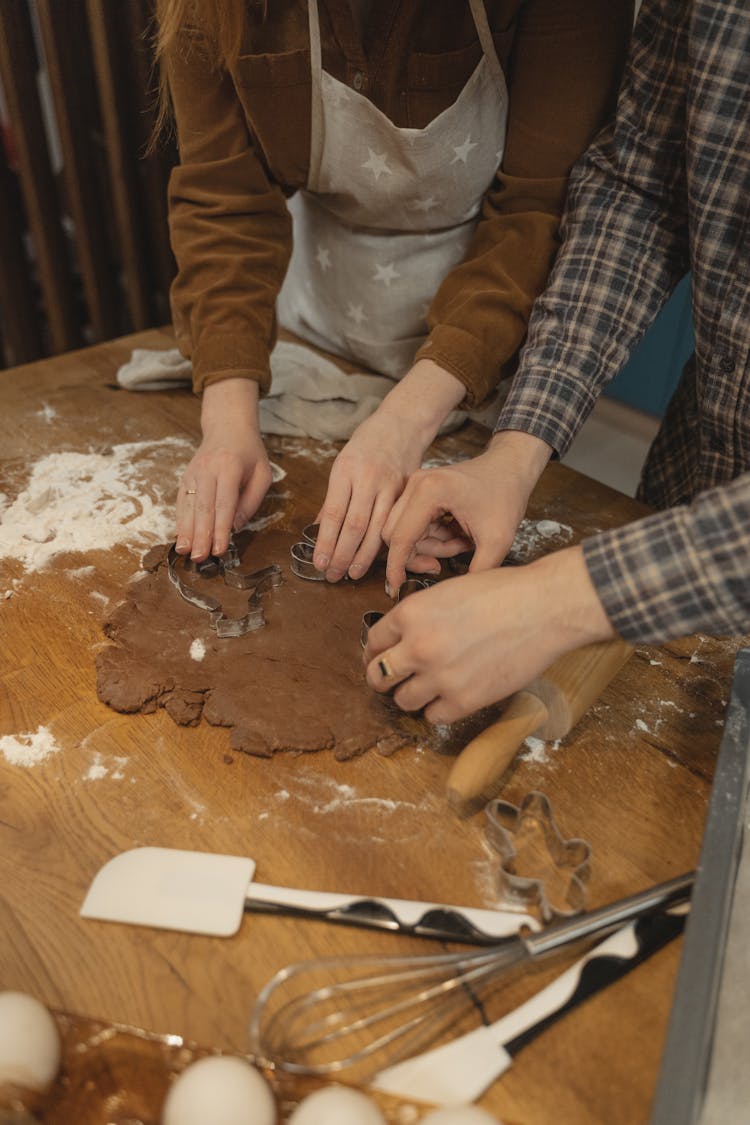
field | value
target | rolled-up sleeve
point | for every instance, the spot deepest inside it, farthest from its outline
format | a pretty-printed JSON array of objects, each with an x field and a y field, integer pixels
[{"x": 229, "y": 226}]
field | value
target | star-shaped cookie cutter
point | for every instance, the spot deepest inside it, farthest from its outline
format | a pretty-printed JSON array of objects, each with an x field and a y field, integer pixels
[
  {"x": 504, "y": 826},
  {"x": 258, "y": 582}
]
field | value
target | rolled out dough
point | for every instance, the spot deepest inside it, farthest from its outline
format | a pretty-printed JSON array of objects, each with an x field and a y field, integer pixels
[{"x": 296, "y": 684}]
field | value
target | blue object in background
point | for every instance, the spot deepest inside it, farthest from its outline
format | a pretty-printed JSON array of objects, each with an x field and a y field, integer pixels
[{"x": 648, "y": 379}]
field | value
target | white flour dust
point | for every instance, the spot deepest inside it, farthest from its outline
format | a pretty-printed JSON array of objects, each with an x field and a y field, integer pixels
[
  {"x": 264, "y": 521},
  {"x": 99, "y": 769},
  {"x": 537, "y": 750},
  {"x": 533, "y": 534},
  {"x": 93, "y": 501},
  {"x": 28, "y": 749},
  {"x": 197, "y": 649},
  {"x": 439, "y": 462}
]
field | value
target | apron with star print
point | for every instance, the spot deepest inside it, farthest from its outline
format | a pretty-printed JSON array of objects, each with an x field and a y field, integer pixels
[{"x": 387, "y": 211}]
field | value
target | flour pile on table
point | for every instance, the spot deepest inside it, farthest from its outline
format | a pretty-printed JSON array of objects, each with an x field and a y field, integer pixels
[
  {"x": 93, "y": 501},
  {"x": 28, "y": 749}
]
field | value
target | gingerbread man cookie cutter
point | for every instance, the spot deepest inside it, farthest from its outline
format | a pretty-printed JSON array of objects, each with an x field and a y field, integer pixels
[
  {"x": 258, "y": 582},
  {"x": 505, "y": 825}
]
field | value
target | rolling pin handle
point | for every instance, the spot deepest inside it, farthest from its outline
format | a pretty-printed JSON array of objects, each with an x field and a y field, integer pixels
[{"x": 479, "y": 769}]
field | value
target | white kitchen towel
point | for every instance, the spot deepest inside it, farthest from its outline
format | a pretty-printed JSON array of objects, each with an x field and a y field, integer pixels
[{"x": 310, "y": 396}]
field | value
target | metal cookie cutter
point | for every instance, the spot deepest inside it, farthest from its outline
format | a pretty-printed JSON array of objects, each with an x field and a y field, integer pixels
[
  {"x": 410, "y": 586},
  {"x": 506, "y": 825},
  {"x": 258, "y": 582},
  {"x": 302, "y": 555}
]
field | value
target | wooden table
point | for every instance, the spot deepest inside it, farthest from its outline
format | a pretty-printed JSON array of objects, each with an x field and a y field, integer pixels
[{"x": 633, "y": 779}]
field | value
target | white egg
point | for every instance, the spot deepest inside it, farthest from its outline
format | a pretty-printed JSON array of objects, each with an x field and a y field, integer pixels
[
  {"x": 220, "y": 1090},
  {"x": 337, "y": 1105},
  {"x": 459, "y": 1115},
  {"x": 29, "y": 1042}
]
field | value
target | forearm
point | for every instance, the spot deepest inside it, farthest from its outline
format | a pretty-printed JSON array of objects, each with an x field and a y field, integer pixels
[
  {"x": 423, "y": 399},
  {"x": 678, "y": 572},
  {"x": 574, "y": 612}
]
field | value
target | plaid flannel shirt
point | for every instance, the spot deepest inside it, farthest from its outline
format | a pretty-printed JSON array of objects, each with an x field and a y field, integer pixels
[{"x": 665, "y": 188}]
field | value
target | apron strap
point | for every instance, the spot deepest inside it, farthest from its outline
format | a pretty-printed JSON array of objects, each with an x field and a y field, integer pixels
[
  {"x": 479, "y": 12},
  {"x": 316, "y": 107}
]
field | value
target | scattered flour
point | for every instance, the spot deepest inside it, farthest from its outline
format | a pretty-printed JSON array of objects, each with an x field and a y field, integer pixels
[
  {"x": 197, "y": 649},
  {"x": 264, "y": 521},
  {"x": 99, "y": 597},
  {"x": 655, "y": 662},
  {"x": 537, "y": 750},
  {"x": 81, "y": 571},
  {"x": 532, "y": 534},
  {"x": 331, "y": 796},
  {"x": 439, "y": 462},
  {"x": 277, "y": 473},
  {"x": 641, "y": 725},
  {"x": 318, "y": 453},
  {"x": 28, "y": 749},
  {"x": 47, "y": 412},
  {"x": 96, "y": 770},
  {"x": 93, "y": 501}
]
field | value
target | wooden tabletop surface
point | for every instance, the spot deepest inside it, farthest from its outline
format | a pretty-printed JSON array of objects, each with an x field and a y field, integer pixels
[{"x": 633, "y": 779}]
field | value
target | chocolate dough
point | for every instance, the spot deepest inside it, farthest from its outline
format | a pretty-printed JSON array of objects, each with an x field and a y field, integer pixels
[{"x": 295, "y": 684}]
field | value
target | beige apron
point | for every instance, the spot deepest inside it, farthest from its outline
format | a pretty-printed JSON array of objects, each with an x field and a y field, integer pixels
[{"x": 387, "y": 212}]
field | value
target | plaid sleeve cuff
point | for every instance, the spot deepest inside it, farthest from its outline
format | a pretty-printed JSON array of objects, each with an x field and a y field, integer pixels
[
  {"x": 548, "y": 404},
  {"x": 678, "y": 572}
]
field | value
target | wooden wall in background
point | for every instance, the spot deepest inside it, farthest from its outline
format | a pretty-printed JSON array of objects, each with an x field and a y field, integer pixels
[{"x": 84, "y": 248}]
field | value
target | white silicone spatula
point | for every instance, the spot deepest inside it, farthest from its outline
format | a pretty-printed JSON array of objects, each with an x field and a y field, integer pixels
[
  {"x": 207, "y": 893},
  {"x": 460, "y": 1071}
]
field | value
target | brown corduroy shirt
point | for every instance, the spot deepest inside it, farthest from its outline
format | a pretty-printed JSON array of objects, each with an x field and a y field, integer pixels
[{"x": 244, "y": 138}]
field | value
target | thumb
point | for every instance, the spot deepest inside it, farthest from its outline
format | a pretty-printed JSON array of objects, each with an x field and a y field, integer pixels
[{"x": 488, "y": 554}]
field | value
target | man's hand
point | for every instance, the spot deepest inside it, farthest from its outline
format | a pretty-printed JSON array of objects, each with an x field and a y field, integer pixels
[
  {"x": 472, "y": 504},
  {"x": 471, "y": 641}
]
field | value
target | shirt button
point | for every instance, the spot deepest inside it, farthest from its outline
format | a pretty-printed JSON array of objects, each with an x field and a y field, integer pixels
[
  {"x": 727, "y": 364},
  {"x": 358, "y": 81}
]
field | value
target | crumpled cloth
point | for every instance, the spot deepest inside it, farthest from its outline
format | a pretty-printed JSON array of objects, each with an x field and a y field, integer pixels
[{"x": 310, "y": 396}]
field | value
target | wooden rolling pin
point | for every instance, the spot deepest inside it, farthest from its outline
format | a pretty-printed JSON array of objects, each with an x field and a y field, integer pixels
[{"x": 549, "y": 707}]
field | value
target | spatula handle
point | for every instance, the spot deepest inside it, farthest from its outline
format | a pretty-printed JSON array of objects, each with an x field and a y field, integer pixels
[{"x": 479, "y": 768}]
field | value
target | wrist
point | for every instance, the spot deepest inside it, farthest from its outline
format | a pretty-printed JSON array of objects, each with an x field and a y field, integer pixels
[
  {"x": 424, "y": 398},
  {"x": 576, "y": 615},
  {"x": 520, "y": 454},
  {"x": 229, "y": 401}
]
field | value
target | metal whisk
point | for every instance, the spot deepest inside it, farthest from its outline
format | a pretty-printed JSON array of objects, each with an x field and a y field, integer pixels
[{"x": 363, "y": 1013}]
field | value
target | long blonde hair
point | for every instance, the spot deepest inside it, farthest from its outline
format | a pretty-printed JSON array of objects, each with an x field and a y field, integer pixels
[{"x": 221, "y": 24}]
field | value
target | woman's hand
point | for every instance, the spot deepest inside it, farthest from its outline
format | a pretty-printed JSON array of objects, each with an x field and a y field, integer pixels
[
  {"x": 475, "y": 504},
  {"x": 370, "y": 472},
  {"x": 471, "y": 641},
  {"x": 229, "y": 475}
]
